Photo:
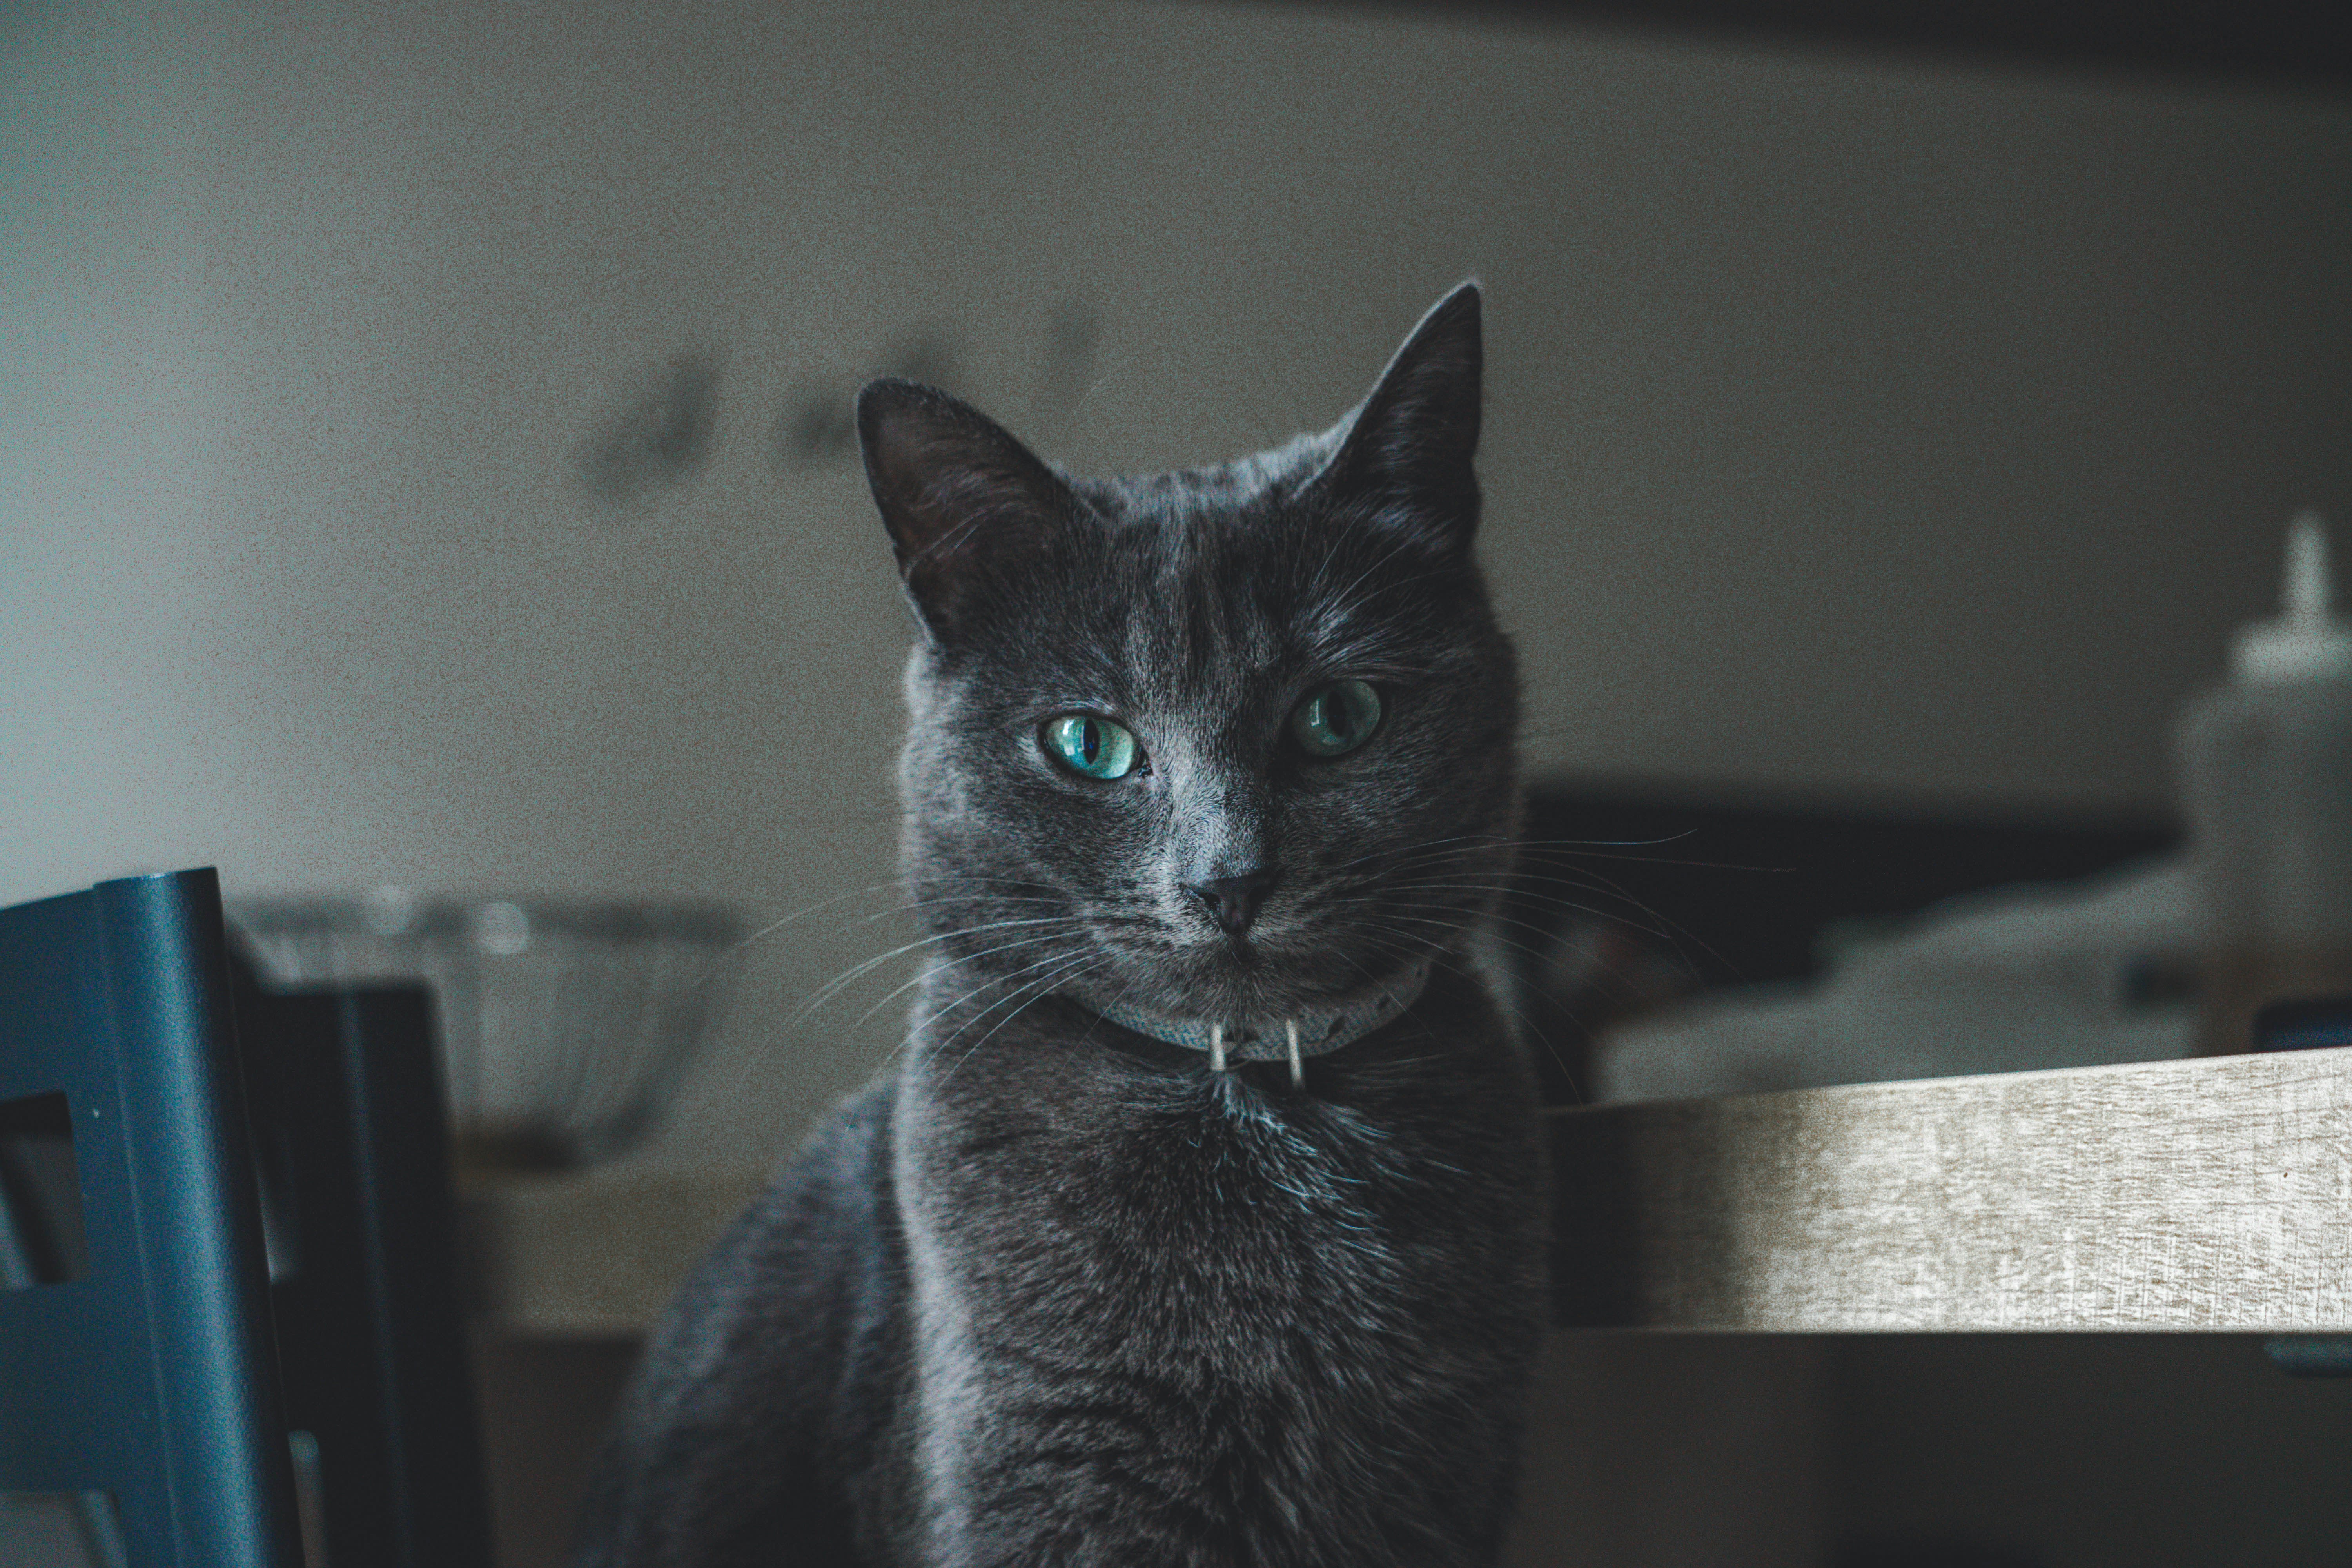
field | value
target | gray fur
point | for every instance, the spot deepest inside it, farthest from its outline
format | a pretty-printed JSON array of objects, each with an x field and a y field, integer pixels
[{"x": 1051, "y": 1293}]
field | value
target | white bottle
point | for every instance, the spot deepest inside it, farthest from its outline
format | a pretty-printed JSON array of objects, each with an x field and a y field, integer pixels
[{"x": 2266, "y": 776}]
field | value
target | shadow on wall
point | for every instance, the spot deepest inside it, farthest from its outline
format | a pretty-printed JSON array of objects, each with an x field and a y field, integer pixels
[{"x": 659, "y": 432}]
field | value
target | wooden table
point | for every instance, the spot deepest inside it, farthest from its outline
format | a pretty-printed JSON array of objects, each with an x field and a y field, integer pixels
[
  {"x": 2212, "y": 1195},
  {"x": 2203, "y": 1194}
]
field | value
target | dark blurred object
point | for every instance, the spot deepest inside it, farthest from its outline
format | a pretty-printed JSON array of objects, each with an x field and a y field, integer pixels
[
  {"x": 2310, "y": 1355},
  {"x": 1626, "y": 898},
  {"x": 1931, "y": 1549},
  {"x": 343, "y": 1087},
  {"x": 660, "y": 436},
  {"x": 220, "y": 1141},
  {"x": 2305, "y": 1024},
  {"x": 2303, "y": 42}
]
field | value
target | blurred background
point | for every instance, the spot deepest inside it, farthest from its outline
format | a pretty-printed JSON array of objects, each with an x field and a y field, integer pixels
[{"x": 425, "y": 460}]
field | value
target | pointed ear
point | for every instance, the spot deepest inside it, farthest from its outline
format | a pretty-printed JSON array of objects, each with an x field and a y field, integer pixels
[
  {"x": 965, "y": 502},
  {"x": 1408, "y": 448}
]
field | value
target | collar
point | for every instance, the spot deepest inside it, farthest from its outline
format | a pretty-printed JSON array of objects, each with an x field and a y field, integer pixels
[{"x": 1294, "y": 1038}]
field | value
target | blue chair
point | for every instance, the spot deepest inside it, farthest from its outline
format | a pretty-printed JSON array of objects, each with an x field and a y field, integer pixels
[{"x": 171, "y": 1135}]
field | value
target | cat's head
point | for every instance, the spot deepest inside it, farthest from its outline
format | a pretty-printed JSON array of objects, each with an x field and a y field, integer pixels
[{"x": 1232, "y": 742}]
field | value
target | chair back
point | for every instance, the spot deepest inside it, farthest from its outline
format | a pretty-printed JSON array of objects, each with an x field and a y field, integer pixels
[{"x": 152, "y": 1376}]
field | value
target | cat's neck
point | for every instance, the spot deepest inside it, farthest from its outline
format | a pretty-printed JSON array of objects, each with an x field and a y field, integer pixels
[{"x": 1295, "y": 1036}]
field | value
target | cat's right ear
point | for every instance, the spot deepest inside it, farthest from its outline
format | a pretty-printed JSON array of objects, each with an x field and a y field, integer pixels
[{"x": 965, "y": 503}]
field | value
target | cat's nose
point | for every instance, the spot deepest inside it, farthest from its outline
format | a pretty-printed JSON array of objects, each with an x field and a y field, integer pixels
[{"x": 1235, "y": 900}]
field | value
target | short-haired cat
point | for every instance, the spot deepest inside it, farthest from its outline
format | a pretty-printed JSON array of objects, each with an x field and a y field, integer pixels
[{"x": 1202, "y": 1221}]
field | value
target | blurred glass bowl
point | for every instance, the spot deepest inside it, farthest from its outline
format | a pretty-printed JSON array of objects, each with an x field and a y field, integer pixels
[{"x": 564, "y": 1026}]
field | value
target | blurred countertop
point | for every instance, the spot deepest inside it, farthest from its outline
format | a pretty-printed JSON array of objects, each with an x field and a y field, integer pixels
[{"x": 590, "y": 1254}]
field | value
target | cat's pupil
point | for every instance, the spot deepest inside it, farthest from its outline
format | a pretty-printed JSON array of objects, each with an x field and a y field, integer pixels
[{"x": 1090, "y": 740}]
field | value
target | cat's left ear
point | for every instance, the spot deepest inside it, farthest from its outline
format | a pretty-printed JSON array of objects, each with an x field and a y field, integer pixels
[
  {"x": 1408, "y": 449},
  {"x": 966, "y": 505}
]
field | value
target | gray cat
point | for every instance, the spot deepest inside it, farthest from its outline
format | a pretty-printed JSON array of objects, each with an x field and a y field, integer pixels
[{"x": 1204, "y": 1221}]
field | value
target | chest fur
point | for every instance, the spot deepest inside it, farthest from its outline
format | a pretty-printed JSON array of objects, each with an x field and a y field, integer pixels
[
  {"x": 1287, "y": 1316},
  {"x": 1211, "y": 1228}
]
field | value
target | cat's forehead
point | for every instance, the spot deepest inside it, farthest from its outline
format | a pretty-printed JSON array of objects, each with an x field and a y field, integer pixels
[
  {"x": 1180, "y": 606},
  {"x": 1210, "y": 599}
]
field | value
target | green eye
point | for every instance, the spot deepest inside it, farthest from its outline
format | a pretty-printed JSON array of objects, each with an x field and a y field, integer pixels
[
  {"x": 1337, "y": 719},
  {"x": 1094, "y": 747}
]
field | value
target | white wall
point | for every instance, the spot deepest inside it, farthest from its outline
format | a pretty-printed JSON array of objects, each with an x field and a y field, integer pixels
[{"x": 1854, "y": 426}]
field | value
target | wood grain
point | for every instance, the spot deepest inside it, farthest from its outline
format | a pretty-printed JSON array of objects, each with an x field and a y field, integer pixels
[{"x": 2204, "y": 1194}]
